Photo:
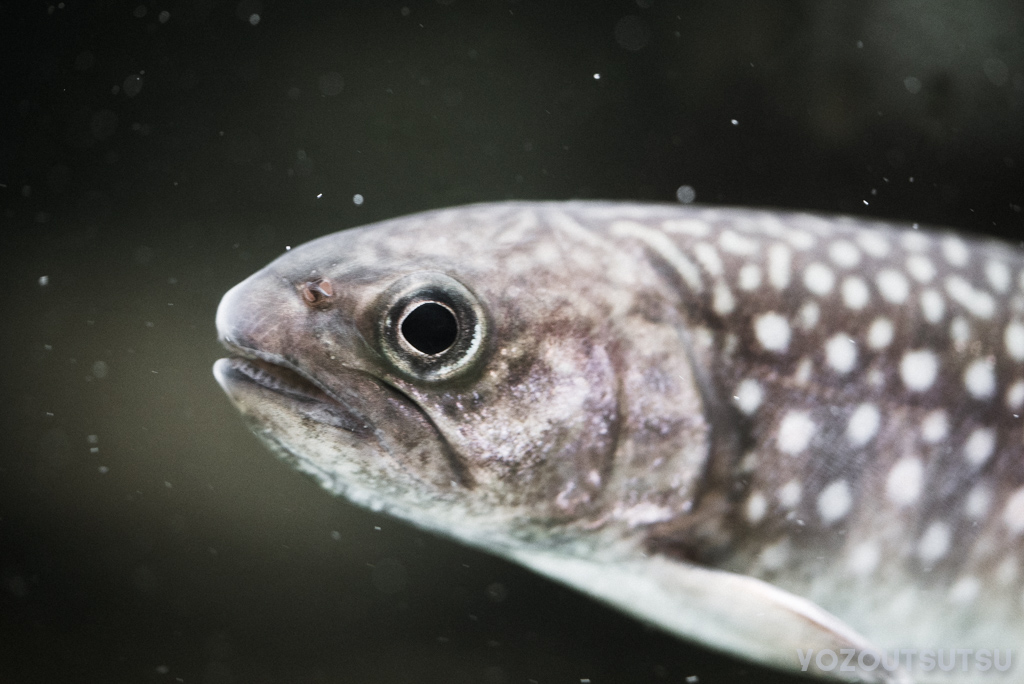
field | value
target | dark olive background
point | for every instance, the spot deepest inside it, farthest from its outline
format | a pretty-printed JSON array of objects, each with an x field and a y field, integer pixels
[{"x": 149, "y": 161}]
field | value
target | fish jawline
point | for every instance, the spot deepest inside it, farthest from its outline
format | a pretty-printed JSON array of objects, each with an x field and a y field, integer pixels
[{"x": 307, "y": 397}]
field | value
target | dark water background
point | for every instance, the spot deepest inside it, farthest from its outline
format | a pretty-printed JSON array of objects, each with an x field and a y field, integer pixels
[{"x": 152, "y": 154}]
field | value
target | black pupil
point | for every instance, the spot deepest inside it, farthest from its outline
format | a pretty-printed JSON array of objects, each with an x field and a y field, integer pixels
[{"x": 430, "y": 328}]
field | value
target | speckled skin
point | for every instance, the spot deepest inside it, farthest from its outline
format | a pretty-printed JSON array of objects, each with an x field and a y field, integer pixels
[{"x": 680, "y": 410}]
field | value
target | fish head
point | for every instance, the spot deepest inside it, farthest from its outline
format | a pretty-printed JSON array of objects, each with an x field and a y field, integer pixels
[{"x": 434, "y": 374}]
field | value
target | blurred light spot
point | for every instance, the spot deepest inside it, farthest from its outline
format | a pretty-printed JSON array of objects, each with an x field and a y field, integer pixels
[
  {"x": 132, "y": 85},
  {"x": 100, "y": 369},
  {"x": 686, "y": 194},
  {"x": 357, "y": 199},
  {"x": 163, "y": 17},
  {"x": 912, "y": 84},
  {"x": 44, "y": 281}
]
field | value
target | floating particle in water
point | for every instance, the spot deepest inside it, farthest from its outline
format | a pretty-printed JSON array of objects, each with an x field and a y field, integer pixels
[
  {"x": 132, "y": 85},
  {"x": 357, "y": 199},
  {"x": 686, "y": 194}
]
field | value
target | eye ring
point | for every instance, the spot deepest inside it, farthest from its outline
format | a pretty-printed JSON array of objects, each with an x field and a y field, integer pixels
[{"x": 431, "y": 327}]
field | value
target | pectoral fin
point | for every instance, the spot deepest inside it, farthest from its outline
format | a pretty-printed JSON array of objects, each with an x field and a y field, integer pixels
[{"x": 733, "y": 613}]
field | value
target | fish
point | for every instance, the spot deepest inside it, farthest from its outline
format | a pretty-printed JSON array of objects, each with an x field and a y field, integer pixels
[{"x": 789, "y": 437}]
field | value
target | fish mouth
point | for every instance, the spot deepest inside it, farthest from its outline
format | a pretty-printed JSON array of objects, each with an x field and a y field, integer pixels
[{"x": 248, "y": 369}]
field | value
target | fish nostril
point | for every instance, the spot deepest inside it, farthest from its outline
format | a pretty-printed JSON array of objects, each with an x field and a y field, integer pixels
[{"x": 317, "y": 292}]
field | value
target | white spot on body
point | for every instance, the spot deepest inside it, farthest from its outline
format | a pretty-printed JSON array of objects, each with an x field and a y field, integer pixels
[
  {"x": 723, "y": 302},
  {"x": 1013, "y": 338},
  {"x": 855, "y": 293},
  {"x": 844, "y": 254},
  {"x": 708, "y": 258},
  {"x": 795, "y": 432},
  {"x": 998, "y": 275},
  {"x": 914, "y": 242},
  {"x": 978, "y": 502},
  {"x": 934, "y": 427},
  {"x": 1015, "y": 396},
  {"x": 977, "y": 302},
  {"x": 873, "y": 243},
  {"x": 880, "y": 333},
  {"x": 980, "y": 378},
  {"x": 834, "y": 502},
  {"x": 772, "y": 331},
  {"x": 789, "y": 494},
  {"x": 819, "y": 278},
  {"x": 955, "y": 251},
  {"x": 800, "y": 239},
  {"x": 734, "y": 243},
  {"x": 892, "y": 286},
  {"x": 960, "y": 332},
  {"x": 918, "y": 369},
  {"x": 965, "y": 590},
  {"x": 841, "y": 353},
  {"x": 933, "y": 306},
  {"x": 809, "y": 315},
  {"x": 863, "y": 558},
  {"x": 979, "y": 446},
  {"x": 802, "y": 374},
  {"x": 780, "y": 265},
  {"x": 691, "y": 227},
  {"x": 665, "y": 248},
  {"x": 934, "y": 542},
  {"x": 757, "y": 506},
  {"x": 749, "y": 277},
  {"x": 921, "y": 268},
  {"x": 863, "y": 424},
  {"x": 774, "y": 557},
  {"x": 903, "y": 485},
  {"x": 749, "y": 396},
  {"x": 1013, "y": 512}
]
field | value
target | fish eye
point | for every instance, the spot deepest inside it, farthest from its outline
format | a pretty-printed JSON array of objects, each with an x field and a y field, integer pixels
[{"x": 431, "y": 327}]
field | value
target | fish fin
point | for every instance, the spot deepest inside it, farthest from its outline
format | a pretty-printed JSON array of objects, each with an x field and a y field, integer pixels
[{"x": 737, "y": 614}]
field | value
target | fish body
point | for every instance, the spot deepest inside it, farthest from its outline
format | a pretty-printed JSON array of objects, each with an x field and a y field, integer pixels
[{"x": 772, "y": 433}]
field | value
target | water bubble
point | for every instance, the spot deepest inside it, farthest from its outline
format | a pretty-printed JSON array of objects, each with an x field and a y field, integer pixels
[
  {"x": 357, "y": 199},
  {"x": 686, "y": 194},
  {"x": 132, "y": 85},
  {"x": 912, "y": 84}
]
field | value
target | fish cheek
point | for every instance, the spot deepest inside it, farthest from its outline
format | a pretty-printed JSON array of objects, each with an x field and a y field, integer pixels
[{"x": 553, "y": 417}]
